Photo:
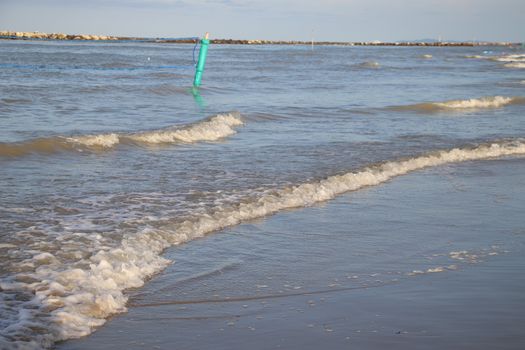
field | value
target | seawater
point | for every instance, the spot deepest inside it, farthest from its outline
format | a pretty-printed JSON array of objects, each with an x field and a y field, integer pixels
[{"x": 108, "y": 157}]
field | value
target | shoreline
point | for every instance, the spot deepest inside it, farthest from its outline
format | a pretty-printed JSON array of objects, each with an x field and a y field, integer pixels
[
  {"x": 397, "y": 297},
  {"x": 9, "y": 35}
]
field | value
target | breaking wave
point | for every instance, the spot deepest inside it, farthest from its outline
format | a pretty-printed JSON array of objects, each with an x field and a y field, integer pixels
[
  {"x": 476, "y": 56},
  {"x": 473, "y": 103},
  {"x": 50, "y": 300},
  {"x": 211, "y": 129},
  {"x": 510, "y": 58},
  {"x": 511, "y": 61},
  {"x": 515, "y": 65}
]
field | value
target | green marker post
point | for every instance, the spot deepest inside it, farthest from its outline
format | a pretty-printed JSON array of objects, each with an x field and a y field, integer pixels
[{"x": 202, "y": 61}]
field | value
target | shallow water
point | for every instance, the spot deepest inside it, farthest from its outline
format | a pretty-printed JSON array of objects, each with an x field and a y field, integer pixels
[
  {"x": 430, "y": 260},
  {"x": 107, "y": 157}
]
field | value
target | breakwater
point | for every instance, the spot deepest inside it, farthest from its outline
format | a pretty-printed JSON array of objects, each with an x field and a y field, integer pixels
[
  {"x": 10, "y": 35},
  {"x": 53, "y": 36}
]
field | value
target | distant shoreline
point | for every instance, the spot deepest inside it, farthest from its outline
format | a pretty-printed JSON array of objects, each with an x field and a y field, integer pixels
[{"x": 7, "y": 35}]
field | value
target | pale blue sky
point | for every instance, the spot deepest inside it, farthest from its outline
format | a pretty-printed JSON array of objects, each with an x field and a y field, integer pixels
[{"x": 339, "y": 20}]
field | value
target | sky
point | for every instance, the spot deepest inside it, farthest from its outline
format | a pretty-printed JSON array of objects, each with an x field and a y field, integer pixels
[{"x": 321, "y": 20}]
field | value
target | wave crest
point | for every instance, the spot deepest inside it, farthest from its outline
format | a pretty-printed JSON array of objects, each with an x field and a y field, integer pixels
[
  {"x": 484, "y": 102},
  {"x": 510, "y": 58},
  {"x": 515, "y": 65},
  {"x": 211, "y": 129},
  {"x": 103, "y": 140},
  {"x": 473, "y": 103}
]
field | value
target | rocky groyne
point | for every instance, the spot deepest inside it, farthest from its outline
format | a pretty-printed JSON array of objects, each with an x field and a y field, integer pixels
[
  {"x": 60, "y": 36},
  {"x": 53, "y": 36},
  {"x": 356, "y": 43}
]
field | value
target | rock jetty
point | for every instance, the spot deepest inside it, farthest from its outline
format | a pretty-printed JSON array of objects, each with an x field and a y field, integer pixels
[
  {"x": 61, "y": 36},
  {"x": 339, "y": 43},
  {"x": 356, "y": 43},
  {"x": 53, "y": 36}
]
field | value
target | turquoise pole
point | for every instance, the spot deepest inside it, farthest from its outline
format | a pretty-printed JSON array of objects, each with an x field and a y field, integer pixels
[{"x": 202, "y": 61}]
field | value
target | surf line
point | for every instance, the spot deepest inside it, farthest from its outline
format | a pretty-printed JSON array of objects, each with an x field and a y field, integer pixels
[
  {"x": 144, "y": 250},
  {"x": 309, "y": 193}
]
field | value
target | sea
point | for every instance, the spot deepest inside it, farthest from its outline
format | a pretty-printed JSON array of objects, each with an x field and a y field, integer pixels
[{"x": 112, "y": 164}]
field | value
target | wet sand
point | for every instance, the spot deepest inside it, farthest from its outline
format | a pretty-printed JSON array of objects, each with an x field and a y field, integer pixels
[{"x": 430, "y": 260}]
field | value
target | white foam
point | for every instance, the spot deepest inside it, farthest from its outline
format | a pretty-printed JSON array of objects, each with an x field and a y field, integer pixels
[
  {"x": 436, "y": 269},
  {"x": 515, "y": 65},
  {"x": 474, "y": 257},
  {"x": 476, "y": 56},
  {"x": 78, "y": 297},
  {"x": 511, "y": 58},
  {"x": 484, "y": 102},
  {"x": 426, "y": 56},
  {"x": 512, "y": 61},
  {"x": 212, "y": 129},
  {"x": 468, "y": 104},
  {"x": 416, "y": 272},
  {"x": 103, "y": 140}
]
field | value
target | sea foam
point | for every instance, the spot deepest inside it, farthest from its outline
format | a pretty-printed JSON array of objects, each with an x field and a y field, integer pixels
[
  {"x": 511, "y": 61},
  {"x": 68, "y": 300},
  {"x": 473, "y": 103},
  {"x": 484, "y": 102},
  {"x": 103, "y": 140},
  {"x": 515, "y": 65},
  {"x": 510, "y": 58},
  {"x": 210, "y": 129}
]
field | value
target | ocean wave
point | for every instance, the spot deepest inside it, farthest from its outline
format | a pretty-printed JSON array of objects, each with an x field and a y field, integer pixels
[
  {"x": 476, "y": 56},
  {"x": 515, "y": 65},
  {"x": 513, "y": 58},
  {"x": 473, "y": 103},
  {"x": 211, "y": 129},
  {"x": 510, "y": 58},
  {"x": 511, "y": 61},
  {"x": 95, "y": 141},
  {"x": 49, "y": 300}
]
